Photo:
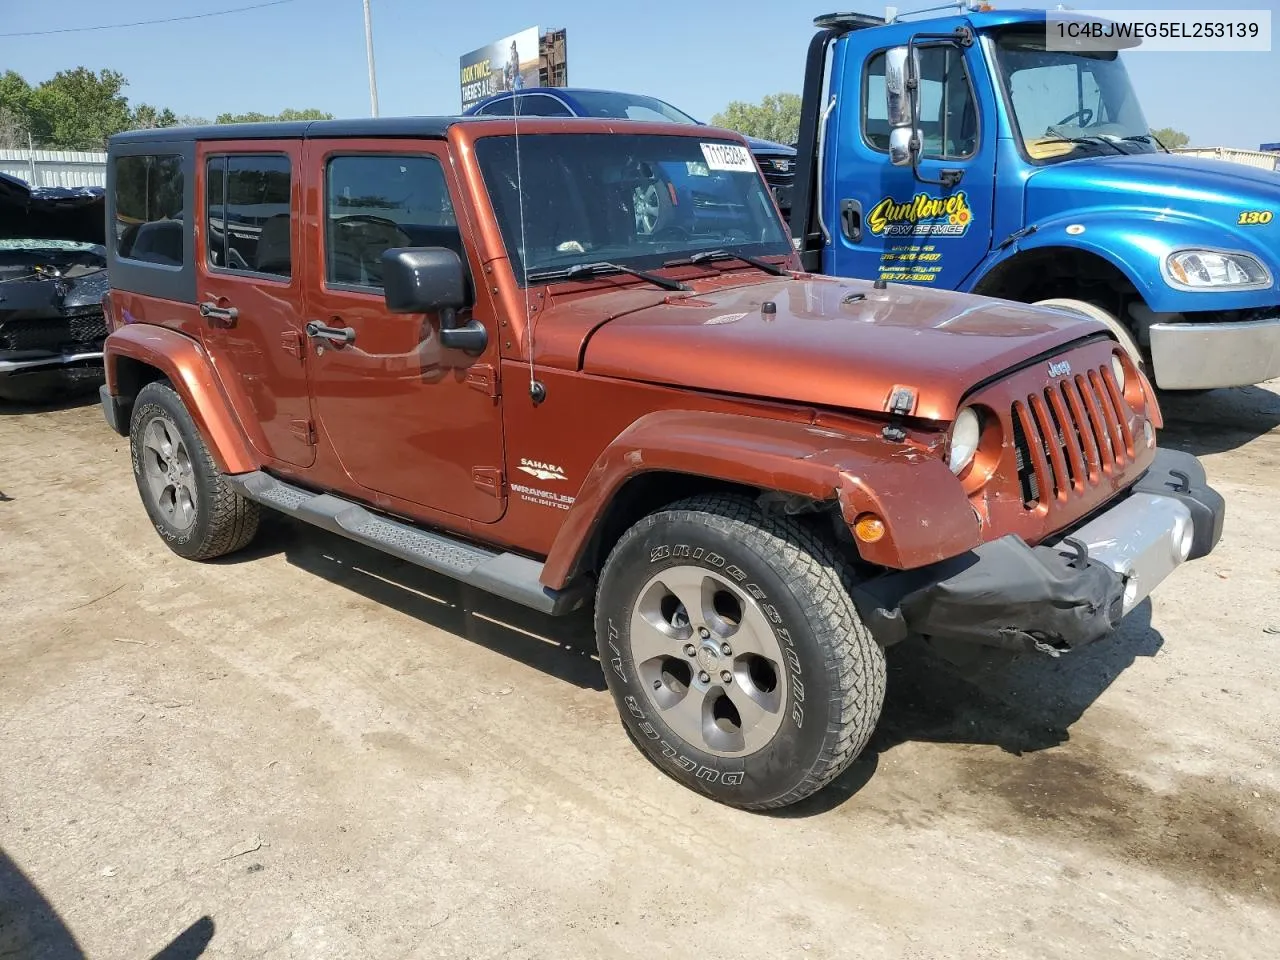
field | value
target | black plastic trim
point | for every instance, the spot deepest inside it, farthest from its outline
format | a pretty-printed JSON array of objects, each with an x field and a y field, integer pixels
[
  {"x": 1178, "y": 474},
  {"x": 115, "y": 410}
]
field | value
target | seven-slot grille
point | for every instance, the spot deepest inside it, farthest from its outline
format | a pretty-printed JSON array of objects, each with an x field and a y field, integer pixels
[
  {"x": 1071, "y": 435},
  {"x": 81, "y": 331}
]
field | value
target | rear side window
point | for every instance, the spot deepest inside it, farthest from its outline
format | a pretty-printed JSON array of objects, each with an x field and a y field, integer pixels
[
  {"x": 247, "y": 221},
  {"x": 373, "y": 203},
  {"x": 149, "y": 208}
]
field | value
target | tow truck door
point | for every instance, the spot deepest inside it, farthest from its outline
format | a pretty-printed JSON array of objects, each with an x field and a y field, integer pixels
[{"x": 883, "y": 220}]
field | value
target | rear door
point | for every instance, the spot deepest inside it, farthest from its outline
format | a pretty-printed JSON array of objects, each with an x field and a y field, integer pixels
[
  {"x": 884, "y": 222},
  {"x": 250, "y": 289},
  {"x": 408, "y": 417}
]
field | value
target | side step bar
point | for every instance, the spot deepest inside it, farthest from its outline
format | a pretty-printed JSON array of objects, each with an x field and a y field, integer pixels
[{"x": 504, "y": 574}]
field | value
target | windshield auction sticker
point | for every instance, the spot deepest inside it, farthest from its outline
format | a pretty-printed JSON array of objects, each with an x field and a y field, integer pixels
[
  {"x": 729, "y": 157},
  {"x": 1158, "y": 31}
]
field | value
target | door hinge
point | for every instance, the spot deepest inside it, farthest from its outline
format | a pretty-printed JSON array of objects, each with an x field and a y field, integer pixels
[
  {"x": 488, "y": 480},
  {"x": 291, "y": 340},
  {"x": 304, "y": 430},
  {"x": 482, "y": 377}
]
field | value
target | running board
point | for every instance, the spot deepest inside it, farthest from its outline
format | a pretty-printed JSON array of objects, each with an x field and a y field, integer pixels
[{"x": 504, "y": 574}]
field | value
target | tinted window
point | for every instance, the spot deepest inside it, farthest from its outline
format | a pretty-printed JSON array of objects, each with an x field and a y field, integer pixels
[
  {"x": 948, "y": 119},
  {"x": 500, "y": 108},
  {"x": 538, "y": 105},
  {"x": 149, "y": 208},
  {"x": 377, "y": 202},
  {"x": 248, "y": 219},
  {"x": 625, "y": 106}
]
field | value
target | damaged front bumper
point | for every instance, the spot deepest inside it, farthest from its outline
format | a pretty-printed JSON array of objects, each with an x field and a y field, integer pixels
[{"x": 1059, "y": 596}]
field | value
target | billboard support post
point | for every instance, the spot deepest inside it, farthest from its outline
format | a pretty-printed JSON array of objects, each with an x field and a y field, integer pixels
[{"x": 368, "y": 49}]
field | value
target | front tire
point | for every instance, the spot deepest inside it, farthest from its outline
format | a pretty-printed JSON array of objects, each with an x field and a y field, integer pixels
[
  {"x": 1094, "y": 312},
  {"x": 735, "y": 654},
  {"x": 191, "y": 505}
]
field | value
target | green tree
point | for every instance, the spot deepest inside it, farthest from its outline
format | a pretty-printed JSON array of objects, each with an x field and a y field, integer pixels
[
  {"x": 147, "y": 117},
  {"x": 79, "y": 109},
  {"x": 1170, "y": 137},
  {"x": 15, "y": 110},
  {"x": 311, "y": 113},
  {"x": 776, "y": 118}
]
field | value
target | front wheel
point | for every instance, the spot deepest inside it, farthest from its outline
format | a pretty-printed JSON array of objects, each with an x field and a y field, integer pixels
[
  {"x": 1094, "y": 312},
  {"x": 735, "y": 654}
]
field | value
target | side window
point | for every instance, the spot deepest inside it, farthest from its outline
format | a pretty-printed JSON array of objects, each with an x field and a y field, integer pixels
[
  {"x": 248, "y": 213},
  {"x": 499, "y": 108},
  {"x": 149, "y": 209},
  {"x": 373, "y": 203},
  {"x": 539, "y": 105},
  {"x": 948, "y": 114}
]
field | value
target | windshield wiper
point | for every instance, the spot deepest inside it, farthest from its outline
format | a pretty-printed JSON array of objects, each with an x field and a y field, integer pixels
[
  {"x": 1147, "y": 138},
  {"x": 706, "y": 255},
  {"x": 1087, "y": 138},
  {"x": 596, "y": 269}
]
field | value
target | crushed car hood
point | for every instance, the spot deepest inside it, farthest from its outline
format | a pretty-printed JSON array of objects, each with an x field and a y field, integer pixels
[
  {"x": 836, "y": 344},
  {"x": 51, "y": 213}
]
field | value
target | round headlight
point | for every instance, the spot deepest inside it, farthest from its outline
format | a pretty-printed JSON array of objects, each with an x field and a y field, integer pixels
[
  {"x": 1117, "y": 367},
  {"x": 965, "y": 435}
]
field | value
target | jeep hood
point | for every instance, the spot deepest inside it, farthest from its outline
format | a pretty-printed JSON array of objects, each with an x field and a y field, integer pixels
[{"x": 830, "y": 343}]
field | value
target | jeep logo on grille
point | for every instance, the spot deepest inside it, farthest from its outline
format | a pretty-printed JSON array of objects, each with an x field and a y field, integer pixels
[{"x": 1059, "y": 368}]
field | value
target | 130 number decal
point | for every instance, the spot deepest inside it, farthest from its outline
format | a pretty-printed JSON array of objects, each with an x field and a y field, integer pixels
[{"x": 1255, "y": 218}]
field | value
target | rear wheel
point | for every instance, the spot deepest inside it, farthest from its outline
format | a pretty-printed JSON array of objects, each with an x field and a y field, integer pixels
[
  {"x": 191, "y": 505},
  {"x": 735, "y": 654}
]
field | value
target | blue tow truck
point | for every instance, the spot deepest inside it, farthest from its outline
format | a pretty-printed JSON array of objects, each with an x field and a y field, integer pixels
[{"x": 956, "y": 147}]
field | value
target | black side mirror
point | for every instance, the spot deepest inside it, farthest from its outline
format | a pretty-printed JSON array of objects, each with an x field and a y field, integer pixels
[{"x": 432, "y": 280}]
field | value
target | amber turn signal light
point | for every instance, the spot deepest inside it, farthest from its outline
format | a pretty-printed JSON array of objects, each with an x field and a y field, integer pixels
[{"x": 868, "y": 528}]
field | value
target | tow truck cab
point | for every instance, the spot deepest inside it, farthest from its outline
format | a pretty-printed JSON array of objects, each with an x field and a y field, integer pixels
[{"x": 958, "y": 151}]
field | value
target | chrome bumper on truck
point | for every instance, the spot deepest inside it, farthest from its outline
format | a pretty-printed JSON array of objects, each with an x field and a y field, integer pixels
[
  {"x": 1055, "y": 597},
  {"x": 1204, "y": 356}
]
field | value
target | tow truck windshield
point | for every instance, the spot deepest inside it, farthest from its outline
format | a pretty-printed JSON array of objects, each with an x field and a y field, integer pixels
[
  {"x": 1070, "y": 104},
  {"x": 629, "y": 200}
]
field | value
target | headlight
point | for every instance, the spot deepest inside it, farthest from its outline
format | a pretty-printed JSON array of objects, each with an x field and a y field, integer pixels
[
  {"x": 965, "y": 435},
  {"x": 1215, "y": 270},
  {"x": 1117, "y": 367}
]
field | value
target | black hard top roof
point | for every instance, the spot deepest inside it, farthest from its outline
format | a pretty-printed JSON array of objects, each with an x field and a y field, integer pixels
[{"x": 427, "y": 127}]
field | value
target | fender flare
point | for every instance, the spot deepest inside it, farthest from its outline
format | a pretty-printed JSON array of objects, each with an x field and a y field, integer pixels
[
  {"x": 926, "y": 513},
  {"x": 1135, "y": 241},
  {"x": 187, "y": 367}
]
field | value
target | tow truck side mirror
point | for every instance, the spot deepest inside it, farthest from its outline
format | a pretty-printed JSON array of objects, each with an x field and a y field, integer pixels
[
  {"x": 901, "y": 70},
  {"x": 432, "y": 280}
]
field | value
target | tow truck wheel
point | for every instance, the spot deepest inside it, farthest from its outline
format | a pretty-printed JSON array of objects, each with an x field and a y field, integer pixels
[
  {"x": 191, "y": 505},
  {"x": 734, "y": 652},
  {"x": 1093, "y": 312}
]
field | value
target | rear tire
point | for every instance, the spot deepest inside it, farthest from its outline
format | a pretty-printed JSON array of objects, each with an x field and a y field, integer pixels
[
  {"x": 784, "y": 684},
  {"x": 1093, "y": 312},
  {"x": 191, "y": 505}
]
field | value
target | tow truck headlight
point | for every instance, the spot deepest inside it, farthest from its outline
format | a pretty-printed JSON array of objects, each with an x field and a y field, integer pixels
[
  {"x": 1117, "y": 368},
  {"x": 965, "y": 435},
  {"x": 1215, "y": 270}
]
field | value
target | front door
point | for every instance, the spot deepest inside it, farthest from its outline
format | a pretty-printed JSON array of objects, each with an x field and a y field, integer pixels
[
  {"x": 408, "y": 417},
  {"x": 250, "y": 287},
  {"x": 885, "y": 222}
]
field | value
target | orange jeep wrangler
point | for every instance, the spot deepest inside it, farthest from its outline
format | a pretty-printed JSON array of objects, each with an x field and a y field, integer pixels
[{"x": 471, "y": 344}]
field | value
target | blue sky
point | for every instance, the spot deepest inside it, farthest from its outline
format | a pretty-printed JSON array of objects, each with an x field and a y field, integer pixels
[{"x": 694, "y": 53}]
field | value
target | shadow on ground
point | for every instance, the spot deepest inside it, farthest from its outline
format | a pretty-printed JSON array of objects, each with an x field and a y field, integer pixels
[
  {"x": 19, "y": 404},
  {"x": 1217, "y": 421},
  {"x": 31, "y": 928}
]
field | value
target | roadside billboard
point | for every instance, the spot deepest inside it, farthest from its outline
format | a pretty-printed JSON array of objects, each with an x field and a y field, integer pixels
[{"x": 511, "y": 63}]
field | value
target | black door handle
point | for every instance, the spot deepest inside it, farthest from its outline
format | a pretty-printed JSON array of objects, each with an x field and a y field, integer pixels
[
  {"x": 851, "y": 220},
  {"x": 225, "y": 316},
  {"x": 317, "y": 329}
]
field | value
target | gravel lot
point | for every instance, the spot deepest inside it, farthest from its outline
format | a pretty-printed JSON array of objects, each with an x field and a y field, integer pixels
[{"x": 313, "y": 751}]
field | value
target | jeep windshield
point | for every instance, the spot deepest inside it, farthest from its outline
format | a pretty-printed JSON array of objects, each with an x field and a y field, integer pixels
[
  {"x": 1070, "y": 104},
  {"x": 642, "y": 200}
]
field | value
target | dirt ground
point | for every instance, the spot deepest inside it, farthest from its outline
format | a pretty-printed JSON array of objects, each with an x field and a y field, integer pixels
[{"x": 312, "y": 751}]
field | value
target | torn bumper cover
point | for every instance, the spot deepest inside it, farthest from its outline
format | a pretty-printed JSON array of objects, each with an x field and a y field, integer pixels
[{"x": 1058, "y": 596}]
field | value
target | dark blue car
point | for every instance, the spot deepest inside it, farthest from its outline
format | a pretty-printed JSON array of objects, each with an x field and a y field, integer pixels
[{"x": 655, "y": 206}]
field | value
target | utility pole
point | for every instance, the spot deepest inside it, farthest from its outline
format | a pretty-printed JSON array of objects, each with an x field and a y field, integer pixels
[{"x": 368, "y": 47}]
